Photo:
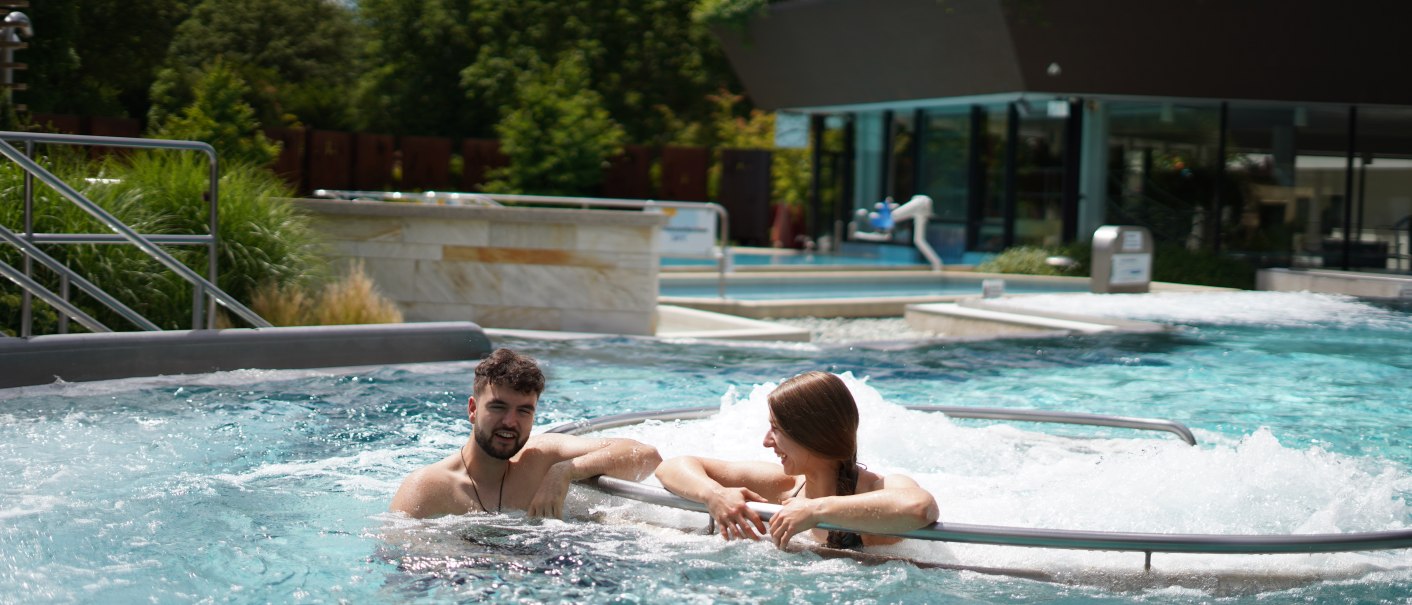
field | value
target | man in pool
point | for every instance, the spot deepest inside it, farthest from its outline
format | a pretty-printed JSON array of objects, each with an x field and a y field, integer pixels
[{"x": 501, "y": 467}]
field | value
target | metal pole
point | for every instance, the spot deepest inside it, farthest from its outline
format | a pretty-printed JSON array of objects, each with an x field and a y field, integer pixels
[
  {"x": 816, "y": 161},
  {"x": 64, "y": 294},
  {"x": 1216, "y": 201},
  {"x": 1012, "y": 159},
  {"x": 212, "y": 248},
  {"x": 1362, "y": 192},
  {"x": 1348, "y": 186},
  {"x": 26, "y": 299}
]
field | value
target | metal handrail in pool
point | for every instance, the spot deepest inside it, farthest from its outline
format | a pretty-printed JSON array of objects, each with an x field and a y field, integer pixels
[
  {"x": 1147, "y": 543},
  {"x": 954, "y": 411}
]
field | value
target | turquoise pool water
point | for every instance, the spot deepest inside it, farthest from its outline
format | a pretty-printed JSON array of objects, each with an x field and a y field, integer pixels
[
  {"x": 810, "y": 287},
  {"x": 853, "y": 255},
  {"x": 270, "y": 486}
]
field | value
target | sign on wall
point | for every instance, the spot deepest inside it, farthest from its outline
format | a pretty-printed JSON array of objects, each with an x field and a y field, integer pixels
[
  {"x": 791, "y": 130},
  {"x": 689, "y": 232}
]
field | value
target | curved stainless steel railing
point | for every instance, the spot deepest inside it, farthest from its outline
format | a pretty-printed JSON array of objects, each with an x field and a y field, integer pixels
[{"x": 1020, "y": 536}]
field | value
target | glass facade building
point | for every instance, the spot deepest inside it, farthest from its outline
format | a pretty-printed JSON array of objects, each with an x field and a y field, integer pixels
[{"x": 1033, "y": 123}]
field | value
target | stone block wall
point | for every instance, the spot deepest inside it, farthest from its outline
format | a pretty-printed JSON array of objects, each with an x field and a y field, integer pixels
[{"x": 523, "y": 268}]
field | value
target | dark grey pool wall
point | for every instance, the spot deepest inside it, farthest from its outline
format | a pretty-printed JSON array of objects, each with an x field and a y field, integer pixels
[{"x": 84, "y": 357}]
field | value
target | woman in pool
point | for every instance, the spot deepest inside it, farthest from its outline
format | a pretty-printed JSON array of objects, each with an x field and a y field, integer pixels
[{"x": 814, "y": 431}]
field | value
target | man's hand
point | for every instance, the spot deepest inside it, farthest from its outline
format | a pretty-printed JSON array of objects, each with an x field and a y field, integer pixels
[
  {"x": 795, "y": 515},
  {"x": 733, "y": 518},
  {"x": 549, "y": 498}
]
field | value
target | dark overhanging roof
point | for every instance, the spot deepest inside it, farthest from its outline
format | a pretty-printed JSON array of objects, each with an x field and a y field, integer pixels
[{"x": 841, "y": 53}]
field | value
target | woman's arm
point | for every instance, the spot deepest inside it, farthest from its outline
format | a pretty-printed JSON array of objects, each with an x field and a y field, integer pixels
[
  {"x": 725, "y": 488},
  {"x": 897, "y": 505}
]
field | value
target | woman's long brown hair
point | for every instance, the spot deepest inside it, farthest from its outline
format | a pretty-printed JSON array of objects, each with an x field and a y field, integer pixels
[{"x": 816, "y": 409}]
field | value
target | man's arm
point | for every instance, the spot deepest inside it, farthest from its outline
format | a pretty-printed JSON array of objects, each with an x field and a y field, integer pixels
[{"x": 581, "y": 458}]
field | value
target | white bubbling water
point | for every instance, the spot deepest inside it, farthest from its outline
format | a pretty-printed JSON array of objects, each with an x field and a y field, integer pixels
[
  {"x": 1272, "y": 309},
  {"x": 1008, "y": 475}
]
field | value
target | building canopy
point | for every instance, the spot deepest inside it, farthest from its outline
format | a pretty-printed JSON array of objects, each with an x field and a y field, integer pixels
[{"x": 845, "y": 54}]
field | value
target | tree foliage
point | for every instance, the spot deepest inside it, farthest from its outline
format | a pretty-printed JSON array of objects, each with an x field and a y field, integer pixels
[
  {"x": 219, "y": 115},
  {"x": 416, "y": 49},
  {"x": 558, "y": 136},
  {"x": 96, "y": 57},
  {"x": 646, "y": 58},
  {"x": 299, "y": 57}
]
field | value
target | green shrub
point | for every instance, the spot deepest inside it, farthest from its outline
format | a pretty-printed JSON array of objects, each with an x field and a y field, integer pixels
[
  {"x": 731, "y": 14},
  {"x": 1174, "y": 263},
  {"x": 559, "y": 137},
  {"x": 220, "y": 116},
  {"x": 1027, "y": 260},
  {"x": 1171, "y": 263}
]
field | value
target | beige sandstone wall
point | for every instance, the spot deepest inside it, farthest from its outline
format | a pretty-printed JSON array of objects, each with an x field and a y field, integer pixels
[{"x": 523, "y": 268}]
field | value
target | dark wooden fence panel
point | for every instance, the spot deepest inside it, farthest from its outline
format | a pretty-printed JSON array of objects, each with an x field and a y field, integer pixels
[
  {"x": 479, "y": 156},
  {"x": 290, "y": 163},
  {"x": 373, "y": 158},
  {"x": 53, "y": 122},
  {"x": 330, "y": 156},
  {"x": 684, "y": 171},
  {"x": 112, "y": 127},
  {"x": 629, "y": 174},
  {"x": 745, "y": 193},
  {"x": 426, "y": 163}
]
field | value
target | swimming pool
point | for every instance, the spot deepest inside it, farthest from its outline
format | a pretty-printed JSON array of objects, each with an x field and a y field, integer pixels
[
  {"x": 269, "y": 486},
  {"x": 853, "y": 256}
]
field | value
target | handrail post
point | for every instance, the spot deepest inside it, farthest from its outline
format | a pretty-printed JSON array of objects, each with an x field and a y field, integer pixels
[
  {"x": 725, "y": 249},
  {"x": 64, "y": 294},
  {"x": 213, "y": 247},
  {"x": 26, "y": 299}
]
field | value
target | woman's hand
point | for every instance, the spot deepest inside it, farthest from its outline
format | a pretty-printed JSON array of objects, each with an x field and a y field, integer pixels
[
  {"x": 733, "y": 518},
  {"x": 795, "y": 515}
]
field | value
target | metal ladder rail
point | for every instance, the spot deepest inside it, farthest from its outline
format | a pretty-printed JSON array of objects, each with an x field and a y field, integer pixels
[
  {"x": 86, "y": 286},
  {"x": 215, "y": 294},
  {"x": 30, "y": 138},
  {"x": 58, "y": 302}
]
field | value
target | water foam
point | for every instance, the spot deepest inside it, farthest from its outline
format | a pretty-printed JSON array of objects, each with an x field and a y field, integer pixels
[
  {"x": 1006, "y": 475},
  {"x": 1271, "y": 309}
]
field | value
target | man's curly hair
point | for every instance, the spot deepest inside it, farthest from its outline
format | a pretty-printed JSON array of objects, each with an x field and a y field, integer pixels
[{"x": 506, "y": 368}]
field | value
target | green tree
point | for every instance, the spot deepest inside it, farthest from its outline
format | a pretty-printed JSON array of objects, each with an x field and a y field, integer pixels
[
  {"x": 558, "y": 136},
  {"x": 220, "y": 116},
  {"x": 643, "y": 56},
  {"x": 96, "y": 57},
  {"x": 417, "y": 49},
  {"x": 299, "y": 58},
  {"x": 452, "y": 67}
]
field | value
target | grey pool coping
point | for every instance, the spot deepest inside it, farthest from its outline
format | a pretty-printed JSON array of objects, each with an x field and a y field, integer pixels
[
  {"x": 87, "y": 357},
  {"x": 883, "y": 306},
  {"x": 991, "y": 319}
]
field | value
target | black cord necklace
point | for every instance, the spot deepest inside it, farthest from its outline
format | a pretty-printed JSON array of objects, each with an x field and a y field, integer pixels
[{"x": 499, "y": 500}]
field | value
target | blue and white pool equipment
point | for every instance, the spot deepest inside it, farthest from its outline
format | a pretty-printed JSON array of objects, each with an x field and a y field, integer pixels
[{"x": 886, "y": 216}]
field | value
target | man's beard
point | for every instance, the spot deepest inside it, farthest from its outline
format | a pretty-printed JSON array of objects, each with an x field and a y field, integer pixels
[{"x": 486, "y": 441}]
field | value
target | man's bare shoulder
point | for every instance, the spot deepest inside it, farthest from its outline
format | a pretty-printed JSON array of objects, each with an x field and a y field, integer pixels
[{"x": 426, "y": 492}]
